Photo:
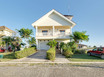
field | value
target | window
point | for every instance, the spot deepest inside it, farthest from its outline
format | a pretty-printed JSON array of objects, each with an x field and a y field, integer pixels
[
  {"x": 62, "y": 30},
  {"x": 44, "y": 31},
  {"x": 94, "y": 49}
]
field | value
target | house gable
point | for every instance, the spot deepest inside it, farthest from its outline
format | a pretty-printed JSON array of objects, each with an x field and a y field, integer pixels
[{"x": 53, "y": 18}]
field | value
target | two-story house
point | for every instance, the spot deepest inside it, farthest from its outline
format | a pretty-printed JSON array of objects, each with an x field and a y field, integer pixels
[
  {"x": 4, "y": 31},
  {"x": 53, "y": 26}
]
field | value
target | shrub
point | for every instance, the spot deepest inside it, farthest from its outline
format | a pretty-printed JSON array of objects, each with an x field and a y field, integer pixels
[
  {"x": 51, "y": 53},
  {"x": 52, "y": 43},
  {"x": 81, "y": 51},
  {"x": 24, "y": 53},
  {"x": 68, "y": 52},
  {"x": 62, "y": 44}
]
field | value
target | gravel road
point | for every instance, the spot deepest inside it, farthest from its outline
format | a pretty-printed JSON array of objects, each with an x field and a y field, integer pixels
[{"x": 51, "y": 70}]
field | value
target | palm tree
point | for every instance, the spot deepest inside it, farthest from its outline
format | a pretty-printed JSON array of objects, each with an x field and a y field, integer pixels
[
  {"x": 79, "y": 36},
  {"x": 32, "y": 41},
  {"x": 11, "y": 41},
  {"x": 25, "y": 33}
]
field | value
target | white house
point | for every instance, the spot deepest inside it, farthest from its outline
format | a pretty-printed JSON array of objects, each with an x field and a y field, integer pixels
[
  {"x": 4, "y": 31},
  {"x": 53, "y": 26},
  {"x": 82, "y": 46}
]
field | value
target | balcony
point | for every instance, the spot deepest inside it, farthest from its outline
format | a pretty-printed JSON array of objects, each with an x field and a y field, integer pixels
[{"x": 47, "y": 35}]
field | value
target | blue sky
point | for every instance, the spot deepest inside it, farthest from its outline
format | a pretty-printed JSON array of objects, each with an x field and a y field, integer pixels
[{"x": 88, "y": 15}]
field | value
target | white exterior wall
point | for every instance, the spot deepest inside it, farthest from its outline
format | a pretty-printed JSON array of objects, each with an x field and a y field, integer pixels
[
  {"x": 6, "y": 33},
  {"x": 42, "y": 44}
]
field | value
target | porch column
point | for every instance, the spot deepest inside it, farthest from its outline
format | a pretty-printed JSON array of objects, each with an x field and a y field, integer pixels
[
  {"x": 53, "y": 30},
  {"x": 37, "y": 44},
  {"x": 70, "y": 33},
  {"x": 36, "y": 30},
  {"x": 71, "y": 30}
]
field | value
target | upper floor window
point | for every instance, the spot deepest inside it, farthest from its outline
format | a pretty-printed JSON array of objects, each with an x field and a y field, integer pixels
[
  {"x": 62, "y": 30},
  {"x": 44, "y": 32}
]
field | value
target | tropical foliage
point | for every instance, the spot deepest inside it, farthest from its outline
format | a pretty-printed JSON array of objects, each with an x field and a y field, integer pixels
[
  {"x": 52, "y": 43},
  {"x": 68, "y": 52},
  {"x": 13, "y": 41},
  {"x": 51, "y": 53},
  {"x": 67, "y": 48},
  {"x": 32, "y": 41},
  {"x": 79, "y": 36},
  {"x": 25, "y": 33}
]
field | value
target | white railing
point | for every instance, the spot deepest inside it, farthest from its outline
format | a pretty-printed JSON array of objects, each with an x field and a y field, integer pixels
[{"x": 55, "y": 34}]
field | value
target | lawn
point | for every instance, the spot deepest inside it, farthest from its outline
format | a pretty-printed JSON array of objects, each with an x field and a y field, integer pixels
[
  {"x": 7, "y": 56},
  {"x": 85, "y": 58}
]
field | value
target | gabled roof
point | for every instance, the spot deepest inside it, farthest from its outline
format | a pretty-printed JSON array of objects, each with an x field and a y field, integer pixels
[
  {"x": 53, "y": 18},
  {"x": 5, "y": 28}
]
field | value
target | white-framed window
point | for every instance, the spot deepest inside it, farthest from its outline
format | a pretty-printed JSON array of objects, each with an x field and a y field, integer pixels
[
  {"x": 62, "y": 32},
  {"x": 45, "y": 32}
]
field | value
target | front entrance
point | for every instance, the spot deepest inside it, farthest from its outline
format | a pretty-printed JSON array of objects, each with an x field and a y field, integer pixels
[{"x": 58, "y": 48}]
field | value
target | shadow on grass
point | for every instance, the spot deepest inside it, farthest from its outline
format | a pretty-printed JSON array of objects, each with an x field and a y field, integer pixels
[
  {"x": 9, "y": 56},
  {"x": 85, "y": 56}
]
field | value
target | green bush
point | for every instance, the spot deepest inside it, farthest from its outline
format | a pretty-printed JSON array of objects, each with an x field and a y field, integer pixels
[
  {"x": 51, "y": 54},
  {"x": 68, "y": 52},
  {"x": 61, "y": 45},
  {"x": 52, "y": 43},
  {"x": 24, "y": 53},
  {"x": 80, "y": 51}
]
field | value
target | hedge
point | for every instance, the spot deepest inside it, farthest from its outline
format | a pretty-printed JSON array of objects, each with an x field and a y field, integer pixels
[
  {"x": 80, "y": 51},
  {"x": 68, "y": 52},
  {"x": 24, "y": 53},
  {"x": 51, "y": 54}
]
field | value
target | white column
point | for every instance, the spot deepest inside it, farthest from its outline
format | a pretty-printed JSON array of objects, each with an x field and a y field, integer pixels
[
  {"x": 70, "y": 33},
  {"x": 71, "y": 30},
  {"x": 53, "y": 30},
  {"x": 36, "y": 30},
  {"x": 37, "y": 44}
]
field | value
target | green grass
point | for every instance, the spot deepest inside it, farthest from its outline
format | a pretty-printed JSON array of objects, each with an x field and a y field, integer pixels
[
  {"x": 85, "y": 58},
  {"x": 7, "y": 56}
]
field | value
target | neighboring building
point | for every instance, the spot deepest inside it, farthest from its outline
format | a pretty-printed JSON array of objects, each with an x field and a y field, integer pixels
[
  {"x": 4, "y": 31},
  {"x": 53, "y": 26},
  {"x": 82, "y": 46}
]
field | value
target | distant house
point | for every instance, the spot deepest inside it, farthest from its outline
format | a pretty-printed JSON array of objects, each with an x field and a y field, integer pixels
[
  {"x": 4, "y": 31},
  {"x": 82, "y": 46}
]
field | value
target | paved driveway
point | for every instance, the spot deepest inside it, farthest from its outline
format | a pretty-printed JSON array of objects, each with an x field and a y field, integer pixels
[{"x": 40, "y": 56}]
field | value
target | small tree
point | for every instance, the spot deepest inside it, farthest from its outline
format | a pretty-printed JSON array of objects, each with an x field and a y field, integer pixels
[
  {"x": 94, "y": 47},
  {"x": 73, "y": 45},
  {"x": 25, "y": 33},
  {"x": 32, "y": 41},
  {"x": 52, "y": 43},
  {"x": 11, "y": 41},
  {"x": 79, "y": 36}
]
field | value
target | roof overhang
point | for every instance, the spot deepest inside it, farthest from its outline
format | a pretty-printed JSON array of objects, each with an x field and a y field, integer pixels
[{"x": 46, "y": 19}]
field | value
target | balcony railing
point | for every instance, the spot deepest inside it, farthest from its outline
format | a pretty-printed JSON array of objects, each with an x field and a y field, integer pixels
[{"x": 51, "y": 34}]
